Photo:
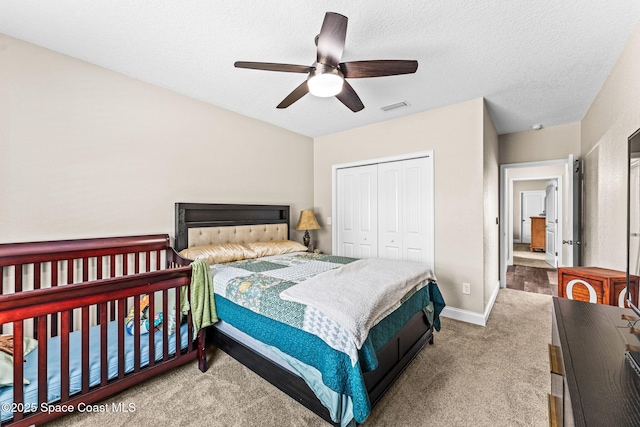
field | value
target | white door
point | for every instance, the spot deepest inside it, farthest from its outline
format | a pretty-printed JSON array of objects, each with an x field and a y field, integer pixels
[
  {"x": 390, "y": 210},
  {"x": 531, "y": 204},
  {"x": 404, "y": 211},
  {"x": 551, "y": 223},
  {"x": 634, "y": 217},
  {"x": 357, "y": 205},
  {"x": 416, "y": 234}
]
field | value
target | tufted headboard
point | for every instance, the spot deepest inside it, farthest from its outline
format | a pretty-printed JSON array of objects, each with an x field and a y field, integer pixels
[{"x": 206, "y": 223}]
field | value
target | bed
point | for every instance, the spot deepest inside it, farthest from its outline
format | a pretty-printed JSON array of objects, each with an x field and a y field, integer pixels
[
  {"x": 81, "y": 308},
  {"x": 272, "y": 335}
]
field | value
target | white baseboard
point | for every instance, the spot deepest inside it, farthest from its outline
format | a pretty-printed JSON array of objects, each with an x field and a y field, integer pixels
[
  {"x": 463, "y": 315},
  {"x": 471, "y": 316},
  {"x": 492, "y": 300}
]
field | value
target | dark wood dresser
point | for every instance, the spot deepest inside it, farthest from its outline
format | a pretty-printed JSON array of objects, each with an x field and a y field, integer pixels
[{"x": 592, "y": 383}]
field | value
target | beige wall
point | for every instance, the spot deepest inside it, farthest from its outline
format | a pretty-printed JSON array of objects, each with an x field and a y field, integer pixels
[
  {"x": 612, "y": 117},
  {"x": 455, "y": 134},
  {"x": 87, "y": 152},
  {"x": 551, "y": 143}
]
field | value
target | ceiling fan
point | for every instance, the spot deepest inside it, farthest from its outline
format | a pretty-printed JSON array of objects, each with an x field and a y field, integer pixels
[{"x": 326, "y": 77}]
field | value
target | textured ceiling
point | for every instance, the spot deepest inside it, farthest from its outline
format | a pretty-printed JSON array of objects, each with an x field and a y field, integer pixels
[{"x": 534, "y": 62}]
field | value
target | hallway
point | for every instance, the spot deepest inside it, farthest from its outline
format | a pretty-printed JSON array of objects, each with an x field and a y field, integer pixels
[
  {"x": 533, "y": 279},
  {"x": 530, "y": 272}
]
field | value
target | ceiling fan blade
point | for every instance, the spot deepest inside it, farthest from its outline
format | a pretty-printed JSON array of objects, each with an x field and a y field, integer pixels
[
  {"x": 379, "y": 68},
  {"x": 350, "y": 98},
  {"x": 270, "y": 66},
  {"x": 331, "y": 39},
  {"x": 297, "y": 93}
]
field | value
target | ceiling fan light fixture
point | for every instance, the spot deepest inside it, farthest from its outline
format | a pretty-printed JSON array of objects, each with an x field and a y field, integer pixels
[
  {"x": 326, "y": 77},
  {"x": 325, "y": 84}
]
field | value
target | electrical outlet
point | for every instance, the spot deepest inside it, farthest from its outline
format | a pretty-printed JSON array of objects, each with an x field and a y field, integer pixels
[
  {"x": 328, "y": 220},
  {"x": 466, "y": 288}
]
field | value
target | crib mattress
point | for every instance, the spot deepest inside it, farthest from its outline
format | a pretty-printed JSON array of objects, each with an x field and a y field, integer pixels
[{"x": 75, "y": 363}]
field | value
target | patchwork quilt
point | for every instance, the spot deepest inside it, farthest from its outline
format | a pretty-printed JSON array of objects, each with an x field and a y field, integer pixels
[{"x": 247, "y": 295}]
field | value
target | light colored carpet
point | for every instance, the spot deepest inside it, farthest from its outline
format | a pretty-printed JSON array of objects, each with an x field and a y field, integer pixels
[
  {"x": 497, "y": 375},
  {"x": 524, "y": 257},
  {"x": 522, "y": 250},
  {"x": 526, "y": 262}
]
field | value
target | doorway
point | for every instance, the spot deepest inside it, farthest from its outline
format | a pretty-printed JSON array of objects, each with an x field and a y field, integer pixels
[
  {"x": 534, "y": 261},
  {"x": 556, "y": 175}
]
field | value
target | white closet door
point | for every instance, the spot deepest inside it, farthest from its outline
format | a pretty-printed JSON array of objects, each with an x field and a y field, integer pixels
[
  {"x": 385, "y": 210},
  {"x": 416, "y": 216},
  {"x": 390, "y": 210},
  {"x": 403, "y": 210},
  {"x": 357, "y": 205}
]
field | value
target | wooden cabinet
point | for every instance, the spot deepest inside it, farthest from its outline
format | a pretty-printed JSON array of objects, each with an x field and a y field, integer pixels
[
  {"x": 595, "y": 285},
  {"x": 592, "y": 383},
  {"x": 538, "y": 233}
]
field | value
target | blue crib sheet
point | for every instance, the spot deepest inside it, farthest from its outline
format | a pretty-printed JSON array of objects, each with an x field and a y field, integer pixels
[{"x": 75, "y": 363}]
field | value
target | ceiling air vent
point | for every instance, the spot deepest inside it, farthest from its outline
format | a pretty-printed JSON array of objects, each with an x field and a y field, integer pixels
[{"x": 395, "y": 106}]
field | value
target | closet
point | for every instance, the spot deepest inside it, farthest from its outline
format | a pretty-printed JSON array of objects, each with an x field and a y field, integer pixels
[{"x": 385, "y": 210}]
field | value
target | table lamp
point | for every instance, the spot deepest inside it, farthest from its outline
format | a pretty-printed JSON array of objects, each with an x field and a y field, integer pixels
[{"x": 307, "y": 222}]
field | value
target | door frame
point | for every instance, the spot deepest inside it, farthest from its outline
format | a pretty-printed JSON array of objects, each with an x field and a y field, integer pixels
[
  {"x": 506, "y": 209},
  {"x": 431, "y": 175},
  {"x": 559, "y": 211}
]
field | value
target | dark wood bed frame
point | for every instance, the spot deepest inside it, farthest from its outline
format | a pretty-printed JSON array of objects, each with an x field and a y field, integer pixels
[{"x": 393, "y": 358}]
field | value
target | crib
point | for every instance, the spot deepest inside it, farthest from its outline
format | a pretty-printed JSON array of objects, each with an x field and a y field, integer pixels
[{"x": 70, "y": 298}]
